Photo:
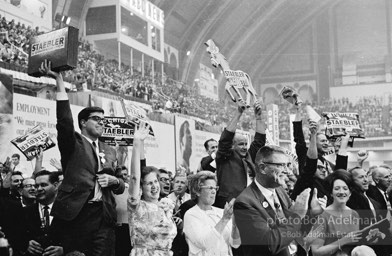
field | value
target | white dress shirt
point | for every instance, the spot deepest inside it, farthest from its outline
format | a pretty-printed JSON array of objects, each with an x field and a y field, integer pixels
[
  {"x": 97, "y": 187},
  {"x": 268, "y": 194},
  {"x": 202, "y": 237},
  {"x": 41, "y": 211}
]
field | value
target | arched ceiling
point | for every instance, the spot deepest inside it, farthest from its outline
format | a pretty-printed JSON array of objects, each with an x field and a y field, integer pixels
[{"x": 250, "y": 33}]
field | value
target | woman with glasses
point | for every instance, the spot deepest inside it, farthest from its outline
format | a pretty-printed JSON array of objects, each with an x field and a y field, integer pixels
[
  {"x": 209, "y": 230},
  {"x": 151, "y": 226}
]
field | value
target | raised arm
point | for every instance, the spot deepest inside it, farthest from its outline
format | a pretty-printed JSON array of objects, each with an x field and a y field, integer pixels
[
  {"x": 259, "y": 139},
  {"x": 226, "y": 139},
  {"x": 299, "y": 139},
  {"x": 341, "y": 157},
  {"x": 65, "y": 126},
  {"x": 140, "y": 135}
]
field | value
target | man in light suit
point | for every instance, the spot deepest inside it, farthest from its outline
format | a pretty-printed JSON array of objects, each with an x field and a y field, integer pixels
[
  {"x": 267, "y": 220},
  {"x": 84, "y": 210}
]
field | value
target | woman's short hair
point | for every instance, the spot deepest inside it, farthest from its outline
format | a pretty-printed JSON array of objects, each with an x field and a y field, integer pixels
[
  {"x": 196, "y": 180},
  {"x": 339, "y": 174},
  {"x": 146, "y": 170}
]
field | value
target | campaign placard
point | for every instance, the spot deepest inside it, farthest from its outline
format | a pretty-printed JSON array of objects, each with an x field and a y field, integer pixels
[
  {"x": 238, "y": 83},
  {"x": 290, "y": 95},
  {"x": 33, "y": 141},
  {"x": 134, "y": 114},
  {"x": 118, "y": 131},
  {"x": 59, "y": 46},
  {"x": 338, "y": 124}
]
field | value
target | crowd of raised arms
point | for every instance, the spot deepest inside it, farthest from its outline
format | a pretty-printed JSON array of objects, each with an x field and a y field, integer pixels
[{"x": 242, "y": 200}]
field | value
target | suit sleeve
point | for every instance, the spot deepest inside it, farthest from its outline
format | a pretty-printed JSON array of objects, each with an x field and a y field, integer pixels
[
  {"x": 341, "y": 162},
  {"x": 306, "y": 178},
  {"x": 65, "y": 131},
  {"x": 258, "y": 142},
  {"x": 119, "y": 189},
  {"x": 300, "y": 145},
  {"x": 225, "y": 144},
  {"x": 256, "y": 230},
  {"x": 205, "y": 162}
]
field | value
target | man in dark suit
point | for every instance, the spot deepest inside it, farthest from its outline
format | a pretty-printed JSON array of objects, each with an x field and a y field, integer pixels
[
  {"x": 208, "y": 163},
  {"x": 84, "y": 210},
  {"x": 267, "y": 220},
  {"x": 234, "y": 161},
  {"x": 382, "y": 178},
  {"x": 38, "y": 236},
  {"x": 368, "y": 209}
]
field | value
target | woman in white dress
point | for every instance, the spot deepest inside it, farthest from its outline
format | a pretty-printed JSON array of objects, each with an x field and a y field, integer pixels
[{"x": 209, "y": 230}]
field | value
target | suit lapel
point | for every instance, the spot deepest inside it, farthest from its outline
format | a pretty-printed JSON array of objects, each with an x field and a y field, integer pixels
[{"x": 263, "y": 203}]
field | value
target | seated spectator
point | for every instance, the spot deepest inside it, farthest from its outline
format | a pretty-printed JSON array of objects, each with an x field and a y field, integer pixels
[{"x": 209, "y": 230}]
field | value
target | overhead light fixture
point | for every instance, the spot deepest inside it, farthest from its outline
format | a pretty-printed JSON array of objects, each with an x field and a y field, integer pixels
[{"x": 188, "y": 53}]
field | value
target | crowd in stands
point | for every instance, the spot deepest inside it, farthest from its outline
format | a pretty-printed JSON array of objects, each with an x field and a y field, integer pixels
[
  {"x": 14, "y": 41},
  {"x": 95, "y": 72}
]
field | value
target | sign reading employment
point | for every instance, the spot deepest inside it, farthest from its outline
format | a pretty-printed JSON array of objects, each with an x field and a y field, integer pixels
[
  {"x": 34, "y": 140},
  {"x": 338, "y": 124}
]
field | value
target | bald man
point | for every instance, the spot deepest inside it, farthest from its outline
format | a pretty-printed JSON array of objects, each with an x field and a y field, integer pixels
[
  {"x": 234, "y": 161},
  {"x": 382, "y": 178}
]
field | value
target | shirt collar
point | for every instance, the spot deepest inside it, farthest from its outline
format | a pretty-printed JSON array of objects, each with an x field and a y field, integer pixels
[
  {"x": 41, "y": 206},
  {"x": 91, "y": 141},
  {"x": 265, "y": 191}
]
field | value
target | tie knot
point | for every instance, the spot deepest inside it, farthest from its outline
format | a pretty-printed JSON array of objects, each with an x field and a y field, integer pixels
[{"x": 46, "y": 207}]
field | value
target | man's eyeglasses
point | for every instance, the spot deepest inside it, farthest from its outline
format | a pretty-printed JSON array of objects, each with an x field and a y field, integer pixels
[
  {"x": 210, "y": 187},
  {"x": 29, "y": 186},
  {"x": 164, "y": 179},
  {"x": 279, "y": 165},
  {"x": 97, "y": 119}
]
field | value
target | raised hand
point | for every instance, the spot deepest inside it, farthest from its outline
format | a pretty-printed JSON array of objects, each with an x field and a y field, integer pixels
[
  {"x": 141, "y": 131},
  {"x": 55, "y": 163},
  {"x": 241, "y": 106},
  {"x": 46, "y": 69},
  {"x": 300, "y": 206},
  {"x": 258, "y": 109},
  {"x": 228, "y": 211},
  {"x": 313, "y": 127},
  {"x": 362, "y": 155},
  {"x": 317, "y": 205}
]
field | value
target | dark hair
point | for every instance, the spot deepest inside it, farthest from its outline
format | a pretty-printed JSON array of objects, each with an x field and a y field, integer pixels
[
  {"x": 339, "y": 174},
  {"x": 146, "y": 170},
  {"x": 118, "y": 171},
  {"x": 16, "y": 155},
  {"x": 206, "y": 143},
  {"x": 85, "y": 113},
  {"x": 16, "y": 173},
  {"x": 162, "y": 171},
  {"x": 53, "y": 176}
]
